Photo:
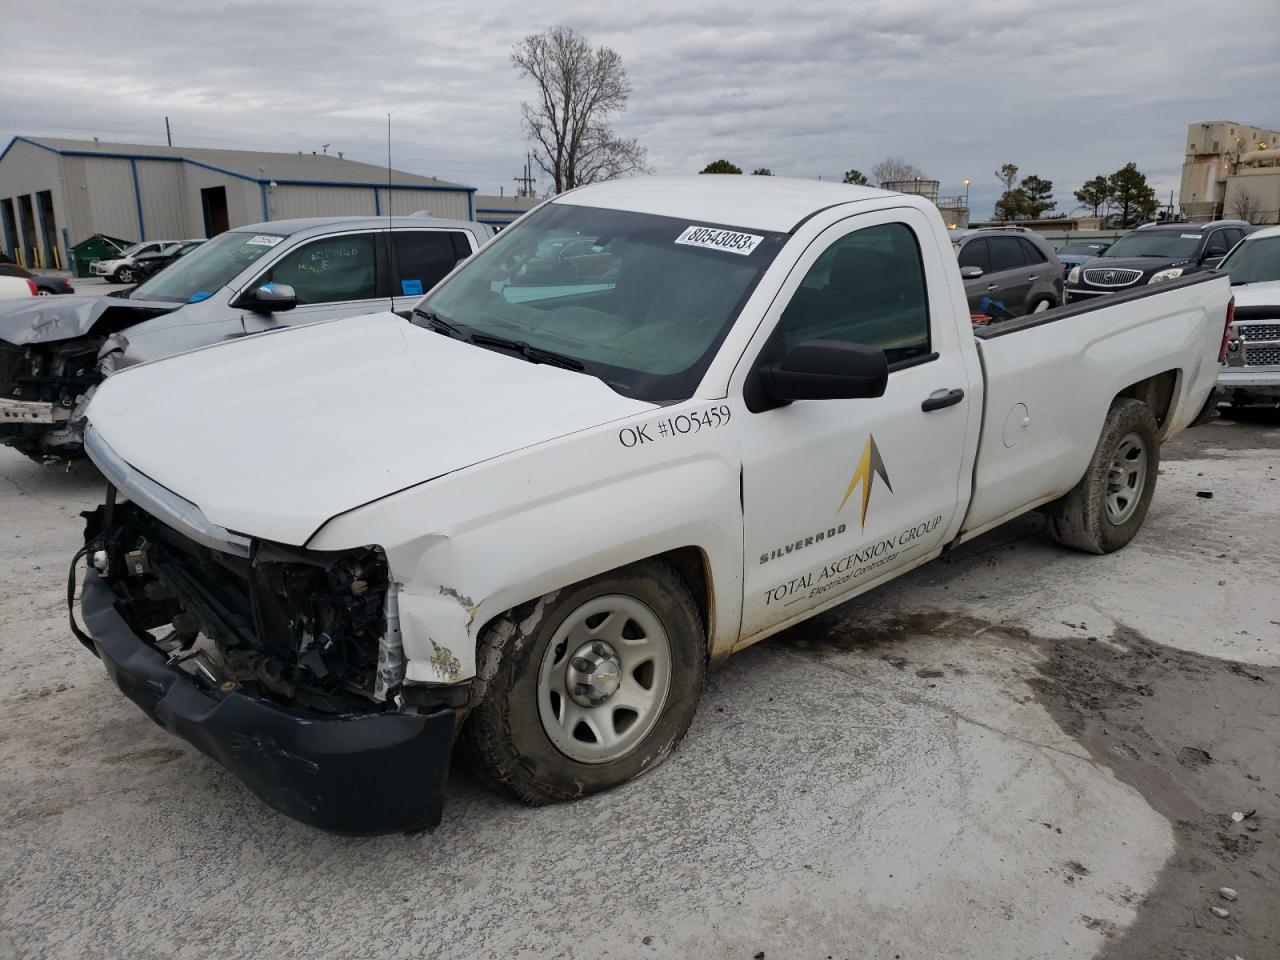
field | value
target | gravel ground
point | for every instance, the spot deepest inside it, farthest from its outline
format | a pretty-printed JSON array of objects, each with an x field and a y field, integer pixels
[{"x": 1015, "y": 752}]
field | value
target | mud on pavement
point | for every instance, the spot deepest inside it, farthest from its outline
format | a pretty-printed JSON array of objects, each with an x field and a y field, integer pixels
[{"x": 1196, "y": 736}]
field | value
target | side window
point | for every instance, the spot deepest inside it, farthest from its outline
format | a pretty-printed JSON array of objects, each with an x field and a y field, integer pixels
[
  {"x": 330, "y": 270},
  {"x": 1006, "y": 253},
  {"x": 1216, "y": 239},
  {"x": 1030, "y": 251},
  {"x": 974, "y": 254},
  {"x": 422, "y": 259},
  {"x": 867, "y": 287}
]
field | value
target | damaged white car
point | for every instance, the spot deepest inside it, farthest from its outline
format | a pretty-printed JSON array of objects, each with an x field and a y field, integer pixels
[{"x": 651, "y": 423}]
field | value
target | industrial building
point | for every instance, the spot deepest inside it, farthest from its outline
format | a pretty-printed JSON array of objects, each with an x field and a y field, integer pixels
[
  {"x": 1231, "y": 170},
  {"x": 499, "y": 211},
  {"x": 55, "y": 193}
]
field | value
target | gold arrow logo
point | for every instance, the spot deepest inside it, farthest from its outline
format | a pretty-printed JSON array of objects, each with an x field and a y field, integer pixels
[{"x": 869, "y": 464}]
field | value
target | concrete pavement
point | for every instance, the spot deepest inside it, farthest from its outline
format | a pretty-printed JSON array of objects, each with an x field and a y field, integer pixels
[{"x": 917, "y": 774}]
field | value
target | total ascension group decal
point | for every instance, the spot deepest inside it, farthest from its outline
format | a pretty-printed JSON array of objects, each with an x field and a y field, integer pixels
[{"x": 857, "y": 564}]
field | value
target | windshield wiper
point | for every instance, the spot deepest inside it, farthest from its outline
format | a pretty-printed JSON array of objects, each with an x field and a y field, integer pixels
[
  {"x": 440, "y": 325},
  {"x": 531, "y": 353}
]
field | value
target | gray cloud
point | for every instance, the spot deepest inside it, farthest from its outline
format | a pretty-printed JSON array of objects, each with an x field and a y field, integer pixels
[{"x": 1066, "y": 91}]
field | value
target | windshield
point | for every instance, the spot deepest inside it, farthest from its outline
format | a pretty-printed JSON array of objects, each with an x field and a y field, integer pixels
[
  {"x": 1254, "y": 261},
  {"x": 202, "y": 272},
  {"x": 1082, "y": 249},
  {"x": 642, "y": 302},
  {"x": 131, "y": 249},
  {"x": 1156, "y": 243}
]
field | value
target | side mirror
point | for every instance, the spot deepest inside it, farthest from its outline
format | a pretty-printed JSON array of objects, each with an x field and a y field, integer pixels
[
  {"x": 826, "y": 370},
  {"x": 271, "y": 298},
  {"x": 1213, "y": 254},
  {"x": 970, "y": 273}
]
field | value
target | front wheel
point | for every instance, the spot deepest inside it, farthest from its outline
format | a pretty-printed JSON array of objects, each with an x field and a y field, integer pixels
[
  {"x": 587, "y": 687},
  {"x": 1105, "y": 510},
  {"x": 125, "y": 275}
]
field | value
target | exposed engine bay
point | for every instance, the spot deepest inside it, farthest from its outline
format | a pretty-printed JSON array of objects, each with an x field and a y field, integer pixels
[
  {"x": 305, "y": 628},
  {"x": 49, "y": 367},
  {"x": 48, "y": 385}
]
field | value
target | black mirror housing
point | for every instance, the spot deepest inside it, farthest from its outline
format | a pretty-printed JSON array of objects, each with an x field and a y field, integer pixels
[
  {"x": 826, "y": 370},
  {"x": 272, "y": 298}
]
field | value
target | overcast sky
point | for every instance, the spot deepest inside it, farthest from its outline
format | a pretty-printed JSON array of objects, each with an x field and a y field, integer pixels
[{"x": 1065, "y": 89}]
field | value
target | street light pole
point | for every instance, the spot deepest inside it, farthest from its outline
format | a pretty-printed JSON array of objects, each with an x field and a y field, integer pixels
[{"x": 967, "y": 181}]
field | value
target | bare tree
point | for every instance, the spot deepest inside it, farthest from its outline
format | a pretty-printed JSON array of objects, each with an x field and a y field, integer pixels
[
  {"x": 1245, "y": 206},
  {"x": 578, "y": 90},
  {"x": 895, "y": 169},
  {"x": 1008, "y": 175}
]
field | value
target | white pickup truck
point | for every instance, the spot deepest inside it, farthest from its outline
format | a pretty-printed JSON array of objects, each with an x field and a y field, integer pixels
[{"x": 652, "y": 423}]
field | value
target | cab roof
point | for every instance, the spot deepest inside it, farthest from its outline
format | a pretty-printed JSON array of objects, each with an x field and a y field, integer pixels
[{"x": 775, "y": 204}]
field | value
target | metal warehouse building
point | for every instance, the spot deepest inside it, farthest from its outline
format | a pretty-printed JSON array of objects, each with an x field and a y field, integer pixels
[{"x": 55, "y": 193}]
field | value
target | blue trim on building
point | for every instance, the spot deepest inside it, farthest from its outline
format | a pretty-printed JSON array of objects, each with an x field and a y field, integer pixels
[
  {"x": 471, "y": 205},
  {"x": 377, "y": 204},
  {"x": 266, "y": 210},
  {"x": 137, "y": 198}
]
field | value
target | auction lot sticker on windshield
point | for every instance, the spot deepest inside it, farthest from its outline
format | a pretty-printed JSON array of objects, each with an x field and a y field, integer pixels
[
  {"x": 264, "y": 240},
  {"x": 727, "y": 240}
]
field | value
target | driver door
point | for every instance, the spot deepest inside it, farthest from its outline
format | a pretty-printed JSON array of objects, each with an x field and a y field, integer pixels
[
  {"x": 333, "y": 277},
  {"x": 838, "y": 494}
]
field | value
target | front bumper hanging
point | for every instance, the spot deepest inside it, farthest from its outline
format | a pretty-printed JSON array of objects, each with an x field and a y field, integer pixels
[{"x": 356, "y": 774}]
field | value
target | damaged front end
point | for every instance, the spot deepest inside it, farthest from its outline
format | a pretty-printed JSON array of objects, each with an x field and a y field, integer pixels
[
  {"x": 49, "y": 367},
  {"x": 283, "y": 664},
  {"x": 44, "y": 389}
]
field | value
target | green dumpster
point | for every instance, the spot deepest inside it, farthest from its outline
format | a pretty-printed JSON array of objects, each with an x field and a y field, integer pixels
[{"x": 97, "y": 247}]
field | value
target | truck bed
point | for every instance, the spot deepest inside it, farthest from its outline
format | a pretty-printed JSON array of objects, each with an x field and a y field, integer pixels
[{"x": 1051, "y": 377}]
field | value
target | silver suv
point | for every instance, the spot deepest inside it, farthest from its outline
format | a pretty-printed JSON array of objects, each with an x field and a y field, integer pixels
[{"x": 1007, "y": 271}]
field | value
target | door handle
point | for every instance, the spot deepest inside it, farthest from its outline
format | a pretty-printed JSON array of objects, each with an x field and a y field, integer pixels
[
  {"x": 942, "y": 398},
  {"x": 992, "y": 286},
  {"x": 1034, "y": 276}
]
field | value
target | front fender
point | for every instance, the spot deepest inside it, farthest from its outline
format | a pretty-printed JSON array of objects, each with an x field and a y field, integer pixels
[{"x": 469, "y": 546}]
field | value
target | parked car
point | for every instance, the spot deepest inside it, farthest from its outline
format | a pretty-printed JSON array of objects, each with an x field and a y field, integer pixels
[
  {"x": 124, "y": 268},
  {"x": 1251, "y": 374},
  {"x": 16, "y": 288},
  {"x": 533, "y": 516},
  {"x": 46, "y": 285},
  {"x": 1153, "y": 253},
  {"x": 249, "y": 280},
  {"x": 1007, "y": 271},
  {"x": 1077, "y": 252},
  {"x": 149, "y": 264}
]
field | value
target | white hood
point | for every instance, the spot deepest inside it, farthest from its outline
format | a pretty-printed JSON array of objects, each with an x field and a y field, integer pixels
[
  {"x": 273, "y": 435},
  {"x": 1264, "y": 294}
]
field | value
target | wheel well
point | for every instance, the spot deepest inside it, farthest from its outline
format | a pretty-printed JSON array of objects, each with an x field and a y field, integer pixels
[
  {"x": 691, "y": 564},
  {"x": 1156, "y": 392}
]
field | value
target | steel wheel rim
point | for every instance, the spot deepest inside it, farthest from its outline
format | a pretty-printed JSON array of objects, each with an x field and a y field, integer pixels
[
  {"x": 1126, "y": 478},
  {"x": 612, "y": 634}
]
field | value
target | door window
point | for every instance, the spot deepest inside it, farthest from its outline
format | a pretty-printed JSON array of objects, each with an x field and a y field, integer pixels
[
  {"x": 868, "y": 287},
  {"x": 974, "y": 254},
  {"x": 1006, "y": 253},
  {"x": 1030, "y": 251},
  {"x": 330, "y": 270},
  {"x": 423, "y": 257}
]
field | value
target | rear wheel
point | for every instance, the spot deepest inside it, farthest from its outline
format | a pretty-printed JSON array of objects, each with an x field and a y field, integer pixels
[
  {"x": 587, "y": 687},
  {"x": 1105, "y": 510},
  {"x": 1043, "y": 305}
]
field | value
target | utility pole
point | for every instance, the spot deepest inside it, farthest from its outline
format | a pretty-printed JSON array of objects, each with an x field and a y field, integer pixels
[
  {"x": 167, "y": 135},
  {"x": 526, "y": 181}
]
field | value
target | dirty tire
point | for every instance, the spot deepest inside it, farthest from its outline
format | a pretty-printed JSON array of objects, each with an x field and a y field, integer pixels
[
  {"x": 504, "y": 739},
  {"x": 1080, "y": 519}
]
